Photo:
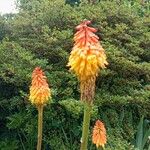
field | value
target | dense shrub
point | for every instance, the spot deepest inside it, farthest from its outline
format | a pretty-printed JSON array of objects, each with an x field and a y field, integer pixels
[{"x": 41, "y": 35}]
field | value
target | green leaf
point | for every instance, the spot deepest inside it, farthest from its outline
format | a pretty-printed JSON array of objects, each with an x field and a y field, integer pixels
[{"x": 139, "y": 136}]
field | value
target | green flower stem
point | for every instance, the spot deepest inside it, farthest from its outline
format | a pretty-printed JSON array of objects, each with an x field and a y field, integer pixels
[
  {"x": 40, "y": 126},
  {"x": 86, "y": 123},
  {"x": 100, "y": 148}
]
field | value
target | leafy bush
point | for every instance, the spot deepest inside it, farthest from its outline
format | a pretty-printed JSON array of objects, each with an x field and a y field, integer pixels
[{"x": 41, "y": 35}]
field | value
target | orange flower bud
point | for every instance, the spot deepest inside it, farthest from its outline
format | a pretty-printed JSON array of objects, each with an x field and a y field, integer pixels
[
  {"x": 87, "y": 55},
  {"x": 39, "y": 90},
  {"x": 99, "y": 134}
]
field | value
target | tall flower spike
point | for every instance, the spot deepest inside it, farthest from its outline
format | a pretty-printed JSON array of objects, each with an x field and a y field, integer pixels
[
  {"x": 39, "y": 90},
  {"x": 99, "y": 134},
  {"x": 87, "y": 55},
  {"x": 86, "y": 59}
]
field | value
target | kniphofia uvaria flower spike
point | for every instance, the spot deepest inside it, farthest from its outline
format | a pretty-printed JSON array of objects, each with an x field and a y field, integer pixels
[
  {"x": 87, "y": 55},
  {"x": 39, "y": 90},
  {"x": 99, "y": 134},
  {"x": 39, "y": 96},
  {"x": 86, "y": 59}
]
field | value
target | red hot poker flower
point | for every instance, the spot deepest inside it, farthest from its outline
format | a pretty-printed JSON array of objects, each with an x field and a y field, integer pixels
[
  {"x": 99, "y": 134},
  {"x": 87, "y": 55},
  {"x": 39, "y": 90}
]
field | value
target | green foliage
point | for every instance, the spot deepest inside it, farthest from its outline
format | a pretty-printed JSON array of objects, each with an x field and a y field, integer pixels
[
  {"x": 75, "y": 108},
  {"x": 143, "y": 133},
  {"x": 8, "y": 144},
  {"x": 2, "y": 27},
  {"x": 16, "y": 63},
  {"x": 41, "y": 34},
  {"x": 118, "y": 143}
]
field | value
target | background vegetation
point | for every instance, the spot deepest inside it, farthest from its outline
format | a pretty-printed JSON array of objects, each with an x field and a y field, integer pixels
[{"x": 41, "y": 34}]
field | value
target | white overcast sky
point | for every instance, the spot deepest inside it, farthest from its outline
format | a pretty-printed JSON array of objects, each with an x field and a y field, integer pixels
[{"x": 7, "y": 6}]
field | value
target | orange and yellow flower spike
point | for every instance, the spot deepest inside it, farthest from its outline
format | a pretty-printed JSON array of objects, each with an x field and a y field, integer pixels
[
  {"x": 87, "y": 55},
  {"x": 86, "y": 59},
  {"x": 99, "y": 134},
  {"x": 39, "y": 96},
  {"x": 39, "y": 90}
]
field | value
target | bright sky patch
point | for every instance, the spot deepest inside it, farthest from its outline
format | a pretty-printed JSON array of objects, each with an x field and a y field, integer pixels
[{"x": 7, "y": 6}]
